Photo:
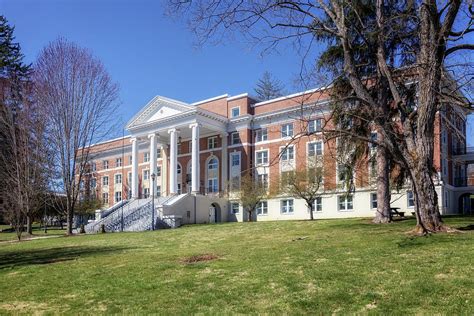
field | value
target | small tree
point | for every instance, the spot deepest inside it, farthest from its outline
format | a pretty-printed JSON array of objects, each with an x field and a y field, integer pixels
[
  {"x": 251, "y": 193},
  {"x": 268, "y": 87}
]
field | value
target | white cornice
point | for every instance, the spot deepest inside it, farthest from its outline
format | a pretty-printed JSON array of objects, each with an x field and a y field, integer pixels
[
  {"x": 235, "y": 97},
  {"x": 290, "y": 96},
  {"x": 210, "y": 99}
]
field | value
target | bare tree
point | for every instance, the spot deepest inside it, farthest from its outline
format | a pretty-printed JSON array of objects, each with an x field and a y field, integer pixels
[
  {"x": 251, "y": 193},
  {"x": 81, "y": 99},
  {"x": 411, "y": 74}
]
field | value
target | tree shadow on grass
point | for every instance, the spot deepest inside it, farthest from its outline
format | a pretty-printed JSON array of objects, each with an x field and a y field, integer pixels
[{"x": 12, "y": 259}]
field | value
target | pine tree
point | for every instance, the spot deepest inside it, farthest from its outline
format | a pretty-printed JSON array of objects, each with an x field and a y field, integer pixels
[{"x": 268, "y": 87}]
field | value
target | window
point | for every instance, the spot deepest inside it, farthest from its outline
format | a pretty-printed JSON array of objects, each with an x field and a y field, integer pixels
[
  {"x": 235, "y": 159},
  {"x": 105, "y": 198},
  {"x": 212, "y": 142},
  {"x": 263, "y": 180},
  {"x": 118, "y": 162},
  {"x": 129, "y": 193},
  {"x": 315, "y": 149},
  {"x": 93, "y": 183},
  {"x": 180, "y": 148},
  {"x": 105, "y": 163},
  {"x": 179, "y": 188},
  {"x": 315, "y": 126},
  {"x": 373, "y": 137},
  {"x": 158, "y": 153},
  {"x": 373, "y": 200},
  {"x": 129, "y": 177},
  {"x": 105, "y": 181},
  {"x": 212, "y": 164},
  {"x": 118, "y": 196},
  {"x": 261, "y": 135},
  {"x": 286, "y": 178},
  {"x": 212, "y": 185},
  {"x": 287, "y": 130},
  {"x": 345, "y": 202},
  {"x": 146, "y": 174},
  {"x": 130, "y": 159},
  {"x": 178, "y": 169},
  {"x": 118, "y": 179},
  {"x": 235, "y": 112},
  {"x": 286, "y": 206},
  {"x": 234, "y": 208},
  {"x": 93, "y": 167},
  {"x": 318, "y": 204},
  {"x": 146, "y": 157},
  {"x": 234, "y": 138},
  {"x": 158, "y": 171},
  {"x": 288, "y": 153},
  {"x": 343, "y": 172},
  {"x": 410, "y": 199},
  {"x": 262, "y": 208},
  {"x": 262, "y": 157},
  {"x": 158, "y": 190},
  {"x": 146, "y": 193}
]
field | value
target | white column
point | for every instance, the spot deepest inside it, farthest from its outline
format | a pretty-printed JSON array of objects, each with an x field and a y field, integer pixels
[
  {"x": 173, "y": 161},
  {"x": 164, "y": 170},
  {"x": 153, "y": 162},
  {"x": 224, "y": 162},
  {"x": 134, "y": 167},
  {"x": 195, "y": 168}
]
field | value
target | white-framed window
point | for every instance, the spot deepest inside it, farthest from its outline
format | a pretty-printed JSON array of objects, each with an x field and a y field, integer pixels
[
  {"x": 315, "y": 149},
  {"x": 318, "y": 204},
  {"x": 158, "y": 153},
  {"x": 129, "y": 178},
  {"x": 235, "y": 159},
  {"x": 287, "y": 130},
  {"x": 118, "y": 196},
  {"x": 146, "y": 193},
  {"x": 105, "y": 164},
  {"x": 93, "y": 167},
  {"x": 105, "y": 198},
  {"x": 178, "y": 169},
  {"x": 130, "y": 159},
  {"x": 345, "y": 203},
  {"x": 235, "y": 112},
  {"x": 343, "y": 173},
  {"x": 286, "y": 206},
  {"x": 262, "y": 157},
  {"x": 262, "y": 208},
  {"x": 158, "y": 171},
  {"x": 118, "y": 162},
  {"x": 146, "y": 175},
  {"x": 212, "y": 164},
  {"x": 263, "y": 179},
  {"x": 93, "y": 183},
  {"x": 261, "y": 135},
  {"x": 118, "y": 179},
  {"x": 410, "y": 199},
  {"x": 179, "y": 188},
  {"x": 180, "y": 148},
  {"x": 288, "y": 153},
  {"x": 373, "y": 200},
  {"x": 105, "y": 181},
  {"x": 234, "y": 208},
  {"x": 146, "y": 157},
  {"x": 212, "y": 142},
  {"x": 235, "y": 138},
  {"x": 212, "y": 185},
  {"x": 315, "y": 126}
]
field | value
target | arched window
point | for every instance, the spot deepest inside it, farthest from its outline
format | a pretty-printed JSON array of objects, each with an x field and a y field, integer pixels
[
  {"x": 212, "y": 164},
  {"x": 179, "y": 169}
]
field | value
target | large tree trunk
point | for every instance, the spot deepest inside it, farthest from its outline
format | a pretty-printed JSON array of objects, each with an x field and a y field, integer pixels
[
  {"x": 383, "y": 188},
  {"x": 311, "y": 216},
  {"x": 29, "y": 225},
  {"x": 70, "y": 218}
]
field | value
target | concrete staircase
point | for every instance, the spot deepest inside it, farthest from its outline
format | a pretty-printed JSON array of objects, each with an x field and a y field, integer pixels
[{"x": 134, "y": 215}]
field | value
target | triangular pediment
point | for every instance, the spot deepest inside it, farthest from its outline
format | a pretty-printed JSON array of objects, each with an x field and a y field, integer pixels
[{"x": 157, "y": 109}]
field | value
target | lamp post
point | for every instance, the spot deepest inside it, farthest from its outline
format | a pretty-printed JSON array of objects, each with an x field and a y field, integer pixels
[{"x": 153, "y": 176}]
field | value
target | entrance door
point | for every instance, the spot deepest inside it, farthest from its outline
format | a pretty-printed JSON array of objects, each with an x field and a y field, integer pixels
[{"x": 212, "y": 214}]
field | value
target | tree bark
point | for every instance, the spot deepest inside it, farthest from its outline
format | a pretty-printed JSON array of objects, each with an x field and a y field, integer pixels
[
  {"x": 311, "y": 216},
  {"x": 29, "y": 225},
  {"x": 383, "y": 188},
  {"x": 70, "y": 218}
]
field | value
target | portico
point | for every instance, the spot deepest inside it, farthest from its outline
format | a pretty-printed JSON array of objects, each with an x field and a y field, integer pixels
[{"x": 164, "y": 124}]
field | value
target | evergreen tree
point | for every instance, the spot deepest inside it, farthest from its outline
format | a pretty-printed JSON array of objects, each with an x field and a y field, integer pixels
[{"x": 268, "y": 87}]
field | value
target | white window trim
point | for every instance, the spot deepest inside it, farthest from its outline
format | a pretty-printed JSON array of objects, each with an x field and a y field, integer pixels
[
  {"x": 315, "y": 119},
  {"x": 108, "y": 181},
  {"x": 238, "y": 207},
  {"x": 292, "y": 130},
  {"x": 408, "y": 199},
  {"x": 258, "y": 205},
  {"x": 232, "y": 111},
  {"x": 282, "y": 148},
  {"x": 232, "y": 138},
  {"x": 314, "y": 142},
  {"x": 121, "y": 178},
  {"x": 371, "y": 200},
  {"x": 261, "y": 131},
  {"x": 143, "y": 174},
  {"x": 268, "y": 158},
  {"x": 281, "y": 208},
  {"x": 212, "y": 139},
  {"x": 345, "y": 209}
]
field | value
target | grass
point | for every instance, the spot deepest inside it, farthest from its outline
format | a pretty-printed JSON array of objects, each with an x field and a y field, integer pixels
[
  {"x": 327, "y": 266},
  {"x": 38, "y": 231}
]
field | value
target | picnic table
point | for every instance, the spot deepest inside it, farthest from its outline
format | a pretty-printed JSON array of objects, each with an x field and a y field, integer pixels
[{"x": 395, "y": 211}]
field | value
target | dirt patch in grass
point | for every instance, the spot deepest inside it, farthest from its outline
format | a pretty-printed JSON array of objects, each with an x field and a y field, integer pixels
[{"x": 199, "y": 258}]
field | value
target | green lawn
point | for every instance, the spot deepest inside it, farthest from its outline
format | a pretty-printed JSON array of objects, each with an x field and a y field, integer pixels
[
  {"x": 38, "y": 231},
  {"x": 337, "y": 266}
]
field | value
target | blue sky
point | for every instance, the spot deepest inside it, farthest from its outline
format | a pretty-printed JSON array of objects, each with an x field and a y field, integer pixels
[{"x": 147, "y": 53}]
